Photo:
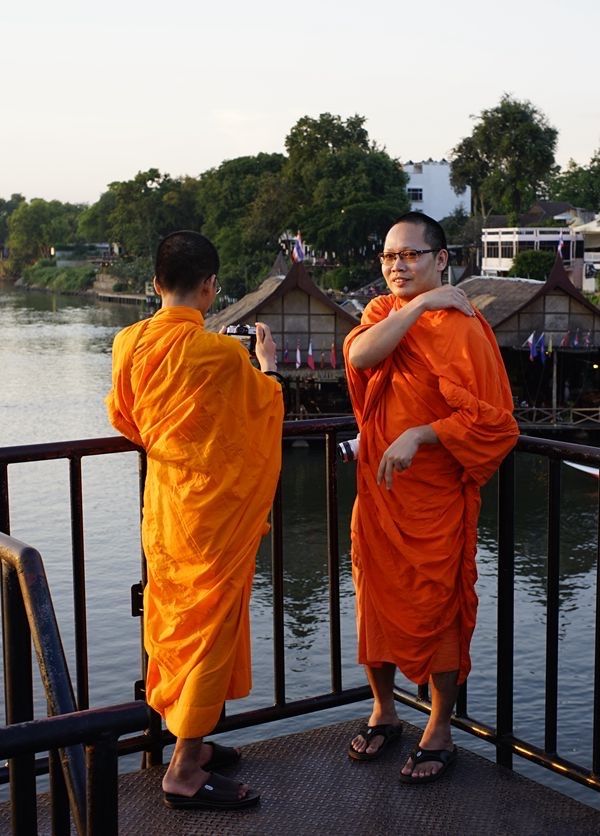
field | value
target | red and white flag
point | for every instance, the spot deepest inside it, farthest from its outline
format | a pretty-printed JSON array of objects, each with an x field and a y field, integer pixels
[
  {"x": 298, "y": 249},
  {"x": 298, "y": 355},
  {"x": 310, "y": 360}
]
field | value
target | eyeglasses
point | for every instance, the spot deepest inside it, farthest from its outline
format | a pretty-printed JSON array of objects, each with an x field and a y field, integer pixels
[
  {"x": 408, "y": 256},
  {"x": 217, "y": 287}
]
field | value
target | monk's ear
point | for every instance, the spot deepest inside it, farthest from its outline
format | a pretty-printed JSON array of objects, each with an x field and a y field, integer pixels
[
  {"x": 442, "y": 258},
  {"x": 156, "y": 286}
]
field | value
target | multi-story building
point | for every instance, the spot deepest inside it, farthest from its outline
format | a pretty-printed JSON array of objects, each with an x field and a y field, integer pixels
[
  {"x": 429, "y": 189},
  {"x": 501, "y": 245}
]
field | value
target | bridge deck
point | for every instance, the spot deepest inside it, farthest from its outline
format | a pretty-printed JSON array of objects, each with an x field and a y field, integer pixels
[{"x": 310, "y": 786}]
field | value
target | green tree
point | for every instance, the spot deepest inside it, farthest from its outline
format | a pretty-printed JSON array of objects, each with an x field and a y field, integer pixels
[
  {"x": 35, "y": 227},
  {"x": 346, "y": 190},
  {"x": 579, "y": 185},
  {"x": 7, "y": 207},
  {"x": 533, "y": 264},
  {"x": 507, "y": 158},
  {"x": 245, "y": 209}
]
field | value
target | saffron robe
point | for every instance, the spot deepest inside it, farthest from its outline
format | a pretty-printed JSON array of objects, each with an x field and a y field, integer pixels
[
  {"x": 414, "y": 546},
  {"x": 210, "y": 424}
]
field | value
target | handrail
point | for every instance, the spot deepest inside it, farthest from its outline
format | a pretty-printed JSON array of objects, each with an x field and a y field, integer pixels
[{"x": 503, "y": 737}]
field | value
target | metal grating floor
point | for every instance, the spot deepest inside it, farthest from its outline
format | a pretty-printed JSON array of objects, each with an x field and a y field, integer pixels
[{"x": 310, "y": 786}]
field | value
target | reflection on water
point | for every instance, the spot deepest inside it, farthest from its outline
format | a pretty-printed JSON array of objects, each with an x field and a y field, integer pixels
[{"x": 55, "y": 371}]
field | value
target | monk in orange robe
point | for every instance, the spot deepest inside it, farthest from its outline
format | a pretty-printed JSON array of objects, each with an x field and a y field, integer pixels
[
  {"x": 434, "y": 410},
  {"x": 210, "y": 423}
]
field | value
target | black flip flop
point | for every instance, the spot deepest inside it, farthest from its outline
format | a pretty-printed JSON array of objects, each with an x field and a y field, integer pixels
[
  {"x": 418, "y": 755},
  {"x": 389, "y": 732},
  {"x": 218, "y": 793}
]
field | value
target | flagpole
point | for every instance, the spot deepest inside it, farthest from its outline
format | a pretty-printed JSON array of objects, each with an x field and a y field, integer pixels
[{"x": 554, "y": 383}]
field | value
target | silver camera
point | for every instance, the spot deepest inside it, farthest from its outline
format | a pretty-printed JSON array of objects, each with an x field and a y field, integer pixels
[
  {"x": 348, "y": 450},
  {"x": 246, "y": 334}
]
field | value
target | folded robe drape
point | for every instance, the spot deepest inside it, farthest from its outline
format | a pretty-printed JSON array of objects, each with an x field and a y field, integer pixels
[
  {"x": 413, "y": 547},
  {"x": 211, "y": 427}
]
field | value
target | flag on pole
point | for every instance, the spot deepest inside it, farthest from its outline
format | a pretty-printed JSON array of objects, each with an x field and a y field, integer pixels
[
  {"x": 564, "y": 343},
  {"x": 298, "y": 355},
  {"x": 550, "y": 348},
  {"x": 298, "y": 249},
  {"x": 332, "y": 357},
  {"x": 322, "y": 360},
  {"x": 576, "y": 339},
  {"x": 541, "y": 347},
  {"x": 286, "y": 353},
  {"x": 560, "y": 244},
  {"x": 530, "y": 341},
  {"x": 310, "y": 360}
]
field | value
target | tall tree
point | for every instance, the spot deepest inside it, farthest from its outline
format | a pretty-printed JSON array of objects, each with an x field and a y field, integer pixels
[
  {"x": 347, "y": 191},
  {"x": 579, "y": 185},
  {"x": 507, "y": 158}
]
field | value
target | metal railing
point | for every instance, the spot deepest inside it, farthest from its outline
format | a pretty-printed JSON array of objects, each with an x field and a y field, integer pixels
[
  {"x": 38, "y": 736},
  {"x": 563, "y": 416}
]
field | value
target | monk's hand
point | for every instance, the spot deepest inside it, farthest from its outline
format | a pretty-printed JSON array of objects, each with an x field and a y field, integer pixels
[
  {"x": 265, "y": 349},
  {"x": 447, "y": 296},
  {"x": 401, "y": 452}
]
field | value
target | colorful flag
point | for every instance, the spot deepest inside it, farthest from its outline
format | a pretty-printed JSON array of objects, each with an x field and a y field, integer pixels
[
  {"x": 298, "y": 355},
  {"x": 564, "y": 343},
  {"x": 540, "y": 347},
  {"x": 560, "y": 244},
  {"x": 332, "y": 357},
  {"x": 530, "y": 341},
  {"x": 550, "y": 349},
  {"x": 310, "y": 360},
  {"x": 322, "y": 360},
  {"x": 298, "y": 249},
  {"x": 587, "y": 340},
  {"x": 286, "y": 353},
  {"x": 576, "y": 338}
]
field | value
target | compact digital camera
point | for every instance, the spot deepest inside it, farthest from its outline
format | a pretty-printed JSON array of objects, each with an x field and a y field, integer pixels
[{"x": 246, "y": 334}]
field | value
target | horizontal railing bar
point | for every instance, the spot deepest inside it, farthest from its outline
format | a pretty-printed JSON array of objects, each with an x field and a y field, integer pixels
[{"x": 70, "y": 729}]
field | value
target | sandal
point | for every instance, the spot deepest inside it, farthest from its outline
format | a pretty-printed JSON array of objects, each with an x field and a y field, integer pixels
[
  {"x": 222, "y": 756},
  {"x": 389, "y": 732},
  {"x": 218, "y": 793},
  {"x": 418, "y": 755}
]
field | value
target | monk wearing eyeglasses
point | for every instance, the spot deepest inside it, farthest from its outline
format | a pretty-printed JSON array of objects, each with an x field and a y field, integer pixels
[
  {"x": 210, "y": 423},
  {"x": 434, "y": 410}
]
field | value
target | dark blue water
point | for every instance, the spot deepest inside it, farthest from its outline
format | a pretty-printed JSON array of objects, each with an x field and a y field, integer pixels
[{"x": 54, "y": 373}]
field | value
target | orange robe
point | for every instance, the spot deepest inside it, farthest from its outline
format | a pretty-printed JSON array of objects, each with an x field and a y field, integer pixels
[
  {"x": 210, "y": 424},
  {"x": 413, "y": 547}
]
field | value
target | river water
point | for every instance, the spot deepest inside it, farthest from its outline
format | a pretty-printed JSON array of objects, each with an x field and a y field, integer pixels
[{"x": 55, "y": 371}]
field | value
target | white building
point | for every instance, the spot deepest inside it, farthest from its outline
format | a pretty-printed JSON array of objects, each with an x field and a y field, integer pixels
[
  {"x": 429, "y": 189},
  {"x": 500, "y": 246}
]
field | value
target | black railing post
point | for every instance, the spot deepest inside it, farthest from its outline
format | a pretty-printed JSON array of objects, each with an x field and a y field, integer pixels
[
  {"x": 333, "y": 563},
  {"x": 18, "y": 694},
  {"x": 79, "y": 597},
  {"x": 102, "y": 786},
  {"x": 506, "y": 606},
  {"x": 277, "y": 575},
  {"x": 61, "y": 817},
  {"x": 552, "y": 605},
  {"x": 596, "y": 704}
]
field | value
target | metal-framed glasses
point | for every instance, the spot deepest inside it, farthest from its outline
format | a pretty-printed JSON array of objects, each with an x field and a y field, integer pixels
[
  {"x": 408, "y": 256},
  {"x": 217, "y": 287}
]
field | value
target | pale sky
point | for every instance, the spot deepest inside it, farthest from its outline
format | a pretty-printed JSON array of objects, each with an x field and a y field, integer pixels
[{"x": 95, "y": 94}]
